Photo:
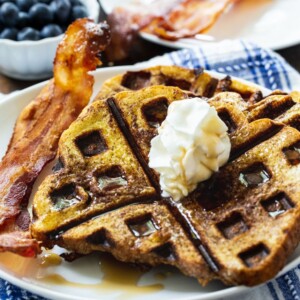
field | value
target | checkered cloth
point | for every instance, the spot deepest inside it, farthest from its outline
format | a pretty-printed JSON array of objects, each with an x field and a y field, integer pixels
[{"x": 248, "y": 61}]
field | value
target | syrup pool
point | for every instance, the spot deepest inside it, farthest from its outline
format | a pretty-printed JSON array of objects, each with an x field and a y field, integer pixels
[{"x": 113, "y": 275}]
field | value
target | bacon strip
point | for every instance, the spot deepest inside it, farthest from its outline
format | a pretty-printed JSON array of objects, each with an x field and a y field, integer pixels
[
  {"x": 189, "y": 18},
  {"x": 168, "y": 19},
  {"x": 39, "y": 126}
]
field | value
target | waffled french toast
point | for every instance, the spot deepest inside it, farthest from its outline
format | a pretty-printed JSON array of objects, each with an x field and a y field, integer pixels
[
  {"x": 239, "y": 226},
  {"x": 196, "y": 81}
]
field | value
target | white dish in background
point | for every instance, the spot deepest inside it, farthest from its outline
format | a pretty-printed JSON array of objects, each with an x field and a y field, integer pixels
[
  {"x": 269, "y": 23},
  {"x": 84, "y": 278},
  {"x": 32, "y": 60}
]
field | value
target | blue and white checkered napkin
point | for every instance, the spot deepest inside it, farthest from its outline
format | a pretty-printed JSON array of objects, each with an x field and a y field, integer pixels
[{"x": 248, "y": 61}]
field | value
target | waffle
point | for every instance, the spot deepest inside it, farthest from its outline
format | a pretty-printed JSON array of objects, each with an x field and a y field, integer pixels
[
  {"x": 196, "y": 81},
  {"x": 104, "y": 197}
]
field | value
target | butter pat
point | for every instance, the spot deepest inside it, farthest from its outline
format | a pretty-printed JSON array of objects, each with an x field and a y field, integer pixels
[{"x": 191, "y": 144}]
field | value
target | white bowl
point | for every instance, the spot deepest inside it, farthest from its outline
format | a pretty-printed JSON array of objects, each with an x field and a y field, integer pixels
[{"x": 31, "y": 60}]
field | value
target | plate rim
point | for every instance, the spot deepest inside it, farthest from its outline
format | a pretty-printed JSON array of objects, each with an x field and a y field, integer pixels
[{"x": 52, "y": 294}]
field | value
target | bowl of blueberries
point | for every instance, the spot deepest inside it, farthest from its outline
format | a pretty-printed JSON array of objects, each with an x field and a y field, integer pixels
[{"x": 30, "y": 31}]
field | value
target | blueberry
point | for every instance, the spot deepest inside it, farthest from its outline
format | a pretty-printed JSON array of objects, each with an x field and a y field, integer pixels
[
  {"x": 24, "y": 5},
  {"x": 40, "y": 14},
  {"x": 28, "y": 33},
  {"x": 23, "y": 19},
  {"x": 78, "y": 12},
  {"x": 4, "y": 1},
  {"x": 9, "y": 33},
  {"x": 9, "y": 14},
  {"x": 45, "y": 1},
  {"x": 50, "y": 30},
  {"x": 62, "y": 10},
  {"x": 76, "y": 2}
]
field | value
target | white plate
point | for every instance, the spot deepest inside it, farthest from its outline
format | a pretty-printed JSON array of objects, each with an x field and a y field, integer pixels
[
  {"x": 269, "y": 23},
  {"x": 84, "y": 278}
]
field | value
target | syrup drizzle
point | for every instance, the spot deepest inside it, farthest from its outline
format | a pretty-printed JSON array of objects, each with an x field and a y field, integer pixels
[
  {"x": 20, "y": 266},
  {"x": 106, "y": 182},
  {"x": 178, "y": 212},
  {"x": 117, "y": 276}
]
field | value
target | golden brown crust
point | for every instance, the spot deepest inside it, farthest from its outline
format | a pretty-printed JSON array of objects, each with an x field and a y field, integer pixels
[
  {"x": 196, "y": 81},
  {"x": 113, "y": 158},
  {"x": 221, "y": 230}
]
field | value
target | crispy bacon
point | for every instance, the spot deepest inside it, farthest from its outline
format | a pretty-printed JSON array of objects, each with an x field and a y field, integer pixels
[
  {"x": 189, "y": 18},
  {"x": 39, "y": 126},
  {"x": 168, "y": 19}
]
